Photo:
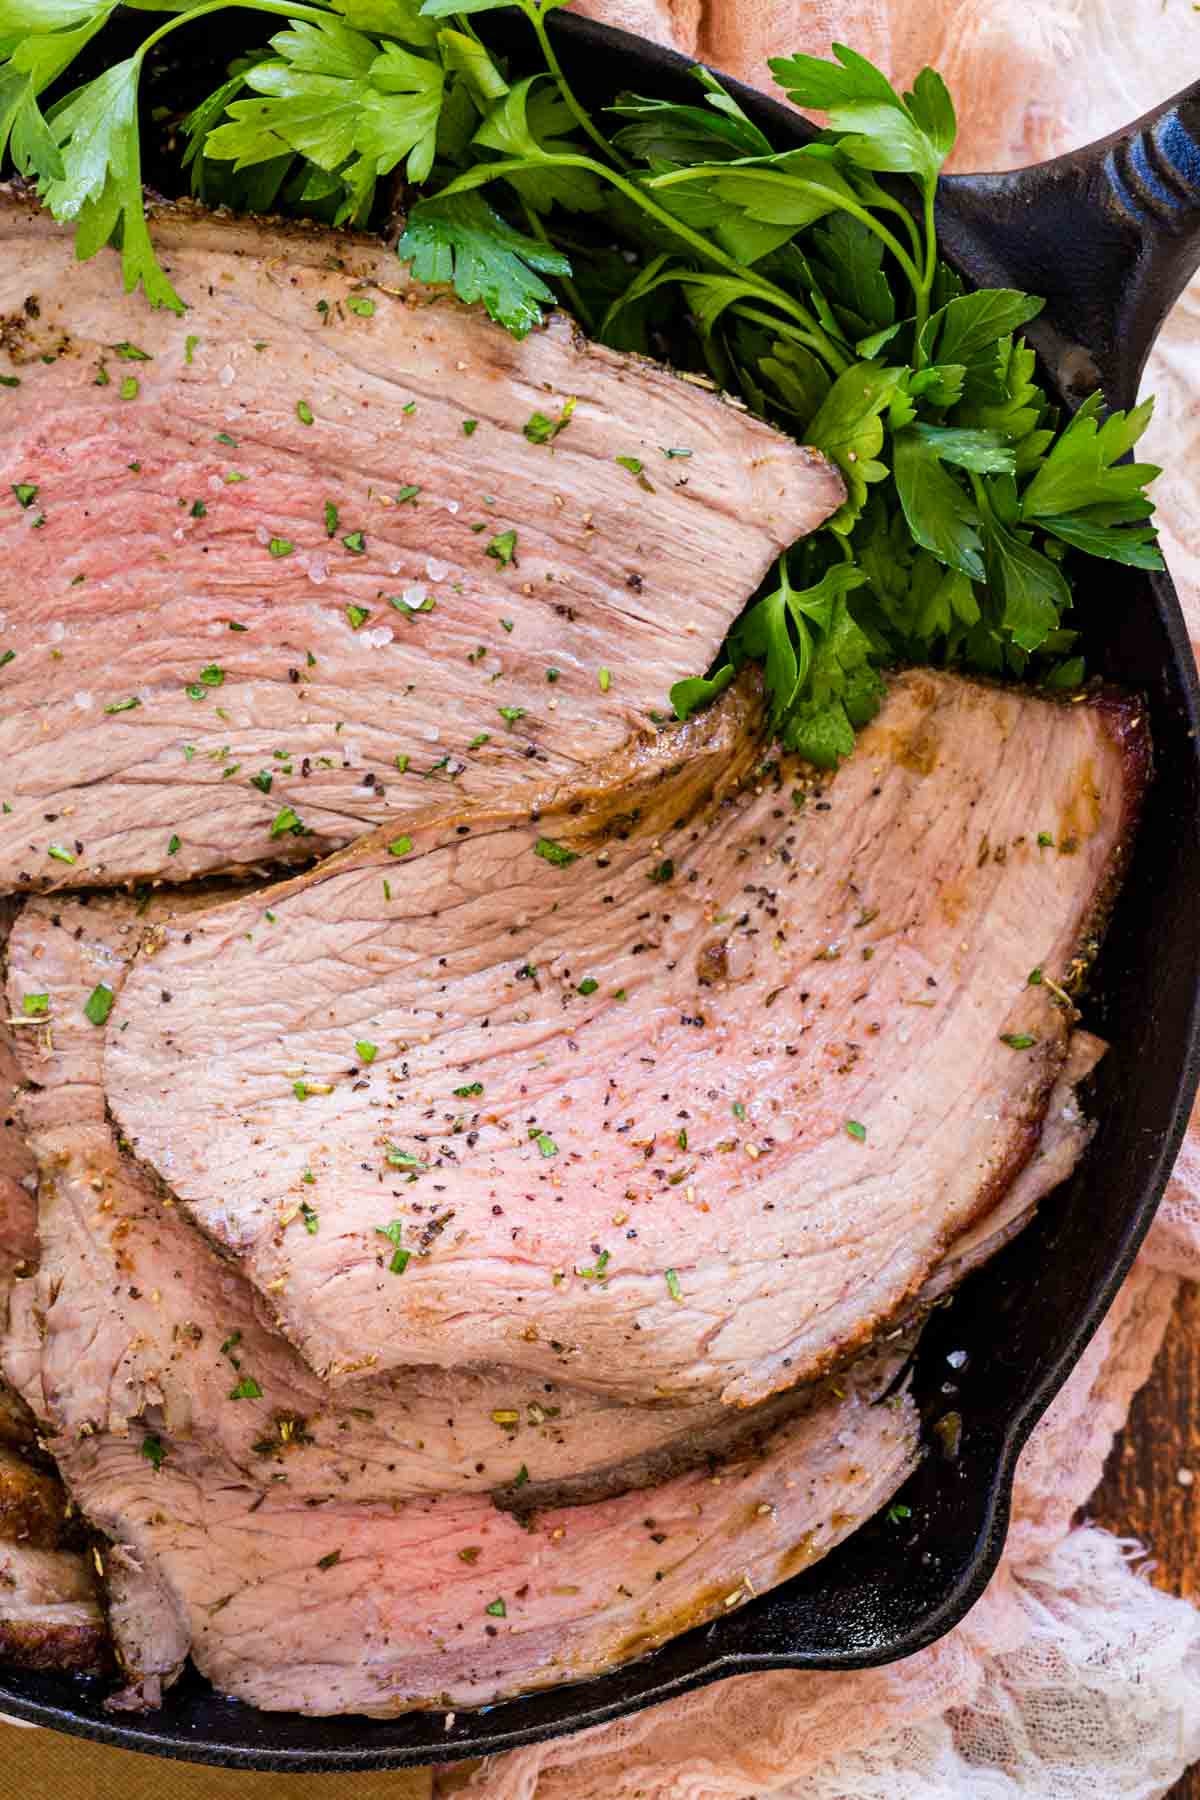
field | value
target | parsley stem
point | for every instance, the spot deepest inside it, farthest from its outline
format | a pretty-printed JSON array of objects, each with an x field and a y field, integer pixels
[
  {"x": 533, "y": 12},
  {"x": 728, "y": 172},
  {"x": 926, "y": 285},
  {"x": 283, "y": 9},
  {"x": 819, "y": 343}
]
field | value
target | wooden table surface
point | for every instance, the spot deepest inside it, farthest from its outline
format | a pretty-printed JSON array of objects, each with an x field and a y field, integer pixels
[{"x": 1142, "y": 1494}]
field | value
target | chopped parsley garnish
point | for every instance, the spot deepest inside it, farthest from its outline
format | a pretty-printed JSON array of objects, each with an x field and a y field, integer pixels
[
  {"x": 26, "y": 492},
  {"x": 1018, "y": 1040},
  {"x": 477, "y": 742},
  {"x": 223, "y": 437},
  {"x": 200, "y": 511},
  {"x": 470, "y": 1091},
  {"x": 663, "y": 872},
  {"x": 393, "y": 1232},
  {"x": 409, "y": 407},
  {"x": 310, "y": 1216},
  {"x": 304, "y": 412},
  {"x": 681, "y": 1137},
  {"x": 739, "y": 1111},
  {"x": 172, "y": 844},
  {"x": 98, "y": 1004},
  {"x": 856, "y": 1130},
  {"x": 355, "y": 543},
  {"x": 131, "y": 353},
  {"x": 497, "y": 1609},
  {"x": 331, "y": 1561},
  {"x": 672, "y": 452},
  {"x": 404, "y": 1159},
  {"x": 131, "y": 387},
  {"x": 471, "y": 1554},
  {"x": 262, "y": 781},
  {"x": 60, "y": 853},
  {"x": 365, "y": 1051},
  {"x": 402, "y": 763},
  {"x": 558, "y": 854},
  {"x": 6, "y": 658},
  {"x": 246, "y": 1389},
  {"x": 546, "y": 1144},
  {"x": 521, "y": 1476},
  {"x": 120, "y": 706},
  {"x": 629, "y": 462},
  {"x": 403, "y": 604},
  {"x": 588, "y": 985},
  {"x": 596, "y": 1272},
  {"x": 400, "y": 846},
  {"x": 1045, "y": 841},
  {"x": 154, "y": 1450},
  {"x": 503, "y": 548},
  {"x": 358, "y": 616},
  {"x": 35, "y": 1006},
  {"x": 605, "y": 680},
  {"x": 1034, "y": 978},
  {"x": 673, "y": 1287},
  {"x": 541, "y": 430},
  {"x": 470, "y": 426},
  {"x": 510, "y": 714},
  {"x": 331, "y": 518},
  {"x": 189, "y": 349},
  {"x": 286, "y": 819},
  {"x": 361, "y": 305},
  {"x": 898, "y": 1512},
  {"x": 278, "y": 546},
  {"x": 405, "y": 494}
]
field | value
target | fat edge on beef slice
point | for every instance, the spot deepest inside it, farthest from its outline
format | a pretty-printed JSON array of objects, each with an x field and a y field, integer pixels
[
  {"x": 681, "y": 1097},
  {"x": 279, "y": 567},
  {"x": 301, "y": 1570},
  {"x": 50, "y": 1616}
]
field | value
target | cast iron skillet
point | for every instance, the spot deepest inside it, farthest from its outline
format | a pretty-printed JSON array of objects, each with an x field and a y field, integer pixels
[{"x": 1110, "y": 235}]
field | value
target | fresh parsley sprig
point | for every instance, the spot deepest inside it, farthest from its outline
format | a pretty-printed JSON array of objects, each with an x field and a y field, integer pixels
[{"x": 807, "y": 280}]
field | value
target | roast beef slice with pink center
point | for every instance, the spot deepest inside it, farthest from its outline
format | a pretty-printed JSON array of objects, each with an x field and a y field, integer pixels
[
  {"x": 230, "y": 635},
  {"x": 350, "y": 1608},
  {"x": 144, "y": 1329},
  {"x": 672, "y": 1095}
]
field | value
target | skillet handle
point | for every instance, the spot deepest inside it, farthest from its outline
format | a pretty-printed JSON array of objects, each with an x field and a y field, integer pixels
[{"x": 1109, "y": 234}]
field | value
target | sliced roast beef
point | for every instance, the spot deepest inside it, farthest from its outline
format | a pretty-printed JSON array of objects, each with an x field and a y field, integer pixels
[
  {"x": 50, "y": 1616},
  {"x": 145, "y": 1330},
  {"x": 283, "y": 565},
  {"x": 447, "y": 1602},
  {"x": 666, "y": 1092}
]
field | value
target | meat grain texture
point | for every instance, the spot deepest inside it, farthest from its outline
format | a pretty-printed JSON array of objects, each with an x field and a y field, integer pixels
[
  {"x": 308, "y": 1571},
  {"x": 294, "y": 559},
  {"x": 680, "y": 1097},
  {"x": 50, "y": 1615}
]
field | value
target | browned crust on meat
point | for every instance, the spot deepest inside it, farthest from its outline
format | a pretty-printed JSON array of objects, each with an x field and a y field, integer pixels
[
  {"x": 50, "y": 1647},
  {"x": 33, "y": 1506}
]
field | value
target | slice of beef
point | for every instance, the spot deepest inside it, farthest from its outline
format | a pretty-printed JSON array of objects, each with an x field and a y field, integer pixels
[
  {"x": 145, "y": 1330},
  {"x": 312, "y": 569},
  {"x": 50, "y": 1616},
  {"x": 672, "y": 1096},
  {"x": 446, "y": 1601}
]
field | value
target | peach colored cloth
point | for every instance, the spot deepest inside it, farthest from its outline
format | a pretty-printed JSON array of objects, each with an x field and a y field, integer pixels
[{"x": 1072, "y": 1679}]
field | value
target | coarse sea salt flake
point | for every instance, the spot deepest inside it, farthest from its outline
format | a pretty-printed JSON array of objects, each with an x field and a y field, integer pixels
[{"x": 436, "y": 571}]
